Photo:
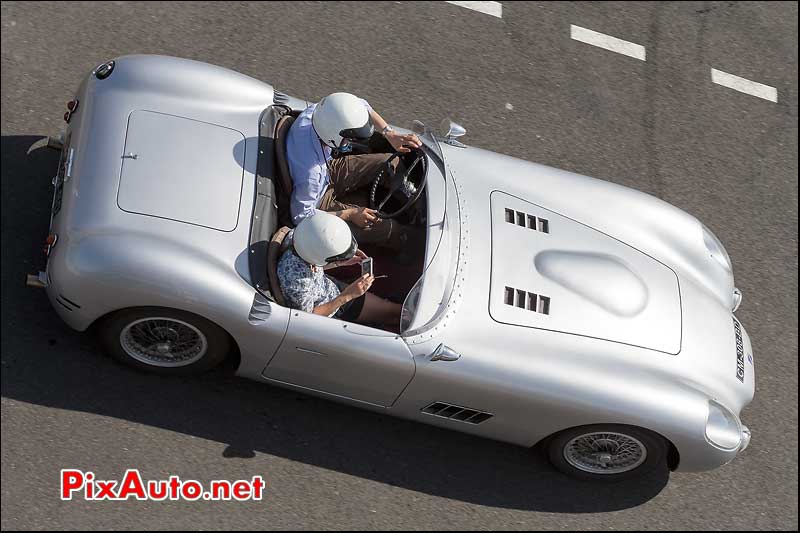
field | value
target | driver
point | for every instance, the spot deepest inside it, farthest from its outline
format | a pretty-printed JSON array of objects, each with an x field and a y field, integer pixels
[
  {"x": 320, "y": 242},
  {"x": 340, "y": 185}
]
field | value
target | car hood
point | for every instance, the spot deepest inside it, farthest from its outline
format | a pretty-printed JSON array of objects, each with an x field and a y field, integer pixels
[
  {"x": 574, "y": 268},
  {"x": 655, "y": 228},
  {"x": 551, "y": 272}
]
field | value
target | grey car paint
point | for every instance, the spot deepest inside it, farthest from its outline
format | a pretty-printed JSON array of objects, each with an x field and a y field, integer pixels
[{"x": 639, "y": 328}]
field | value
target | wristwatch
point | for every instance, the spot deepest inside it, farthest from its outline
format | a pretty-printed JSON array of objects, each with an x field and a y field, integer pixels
[{"x": 386, "y": 130}]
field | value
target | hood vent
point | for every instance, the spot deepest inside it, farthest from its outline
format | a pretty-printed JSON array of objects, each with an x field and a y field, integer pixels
[
  {"x": 524, "y": 220},
  {"x": 527, "y": 300},
  {"x": 459, "y": 414},
  {"x": 593, "y": 284}
]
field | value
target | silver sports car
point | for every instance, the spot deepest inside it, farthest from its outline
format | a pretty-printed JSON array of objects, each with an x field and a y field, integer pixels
[{"x": 540, "y": 307}]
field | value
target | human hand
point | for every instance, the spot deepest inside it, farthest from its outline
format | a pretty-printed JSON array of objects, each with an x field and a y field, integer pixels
[
  {"x": 358, "y": 287},
  {"x": 356, "y": 259},
  {"x": 403, "y": 142},
  {"x": 363, "y": 217}
]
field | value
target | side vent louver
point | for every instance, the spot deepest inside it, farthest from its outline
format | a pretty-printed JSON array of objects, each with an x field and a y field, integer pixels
[
  {"x": 525, "y": 220},
  {"x": 279, "y": 98},
  {"x": 66, "y": 303},
  {"x": 260, "y": 310},
  {"x": 527, "y": 300},
  {"x": 454, "y": 412}
]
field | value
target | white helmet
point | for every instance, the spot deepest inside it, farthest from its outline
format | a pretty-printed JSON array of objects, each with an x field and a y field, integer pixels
[
  {"x": 323, "y": 238},
  {"x": 341, "y": 115}
]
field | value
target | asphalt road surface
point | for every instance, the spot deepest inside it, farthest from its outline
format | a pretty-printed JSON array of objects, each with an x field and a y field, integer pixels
[{"x": 521, "y": 86}]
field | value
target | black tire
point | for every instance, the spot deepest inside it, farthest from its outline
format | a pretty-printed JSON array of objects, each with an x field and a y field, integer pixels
[
  {"x": 655, "y": 456},
  {"x": 214, "y": 351}
]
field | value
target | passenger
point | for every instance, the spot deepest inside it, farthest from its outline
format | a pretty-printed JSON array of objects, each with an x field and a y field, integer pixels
[
  {"x": 324, "y": 183},
  {"x": 325, "y": 241}
]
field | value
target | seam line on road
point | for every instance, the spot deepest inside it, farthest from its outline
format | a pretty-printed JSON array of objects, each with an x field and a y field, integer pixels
[
  {"x": 494, "y": 9},
  {"x": 743, "y": 85},
  {"x": 607, "y": 42}
]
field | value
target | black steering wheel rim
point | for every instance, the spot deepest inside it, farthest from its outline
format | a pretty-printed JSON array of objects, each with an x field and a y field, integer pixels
[{"x": 396, "y": 181}]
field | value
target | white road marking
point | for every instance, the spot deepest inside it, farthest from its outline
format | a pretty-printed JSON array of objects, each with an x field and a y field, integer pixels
[
  {"x": 607, "y": 42},
  {"x": 743, "y": 85},
  {"x": 494, "y": 9}
]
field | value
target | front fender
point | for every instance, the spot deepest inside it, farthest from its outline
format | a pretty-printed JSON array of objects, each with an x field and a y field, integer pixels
[{"x": 536, "y": 389}]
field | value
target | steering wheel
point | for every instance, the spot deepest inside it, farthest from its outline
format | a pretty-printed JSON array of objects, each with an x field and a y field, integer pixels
[{"x": 396, "y": 182}]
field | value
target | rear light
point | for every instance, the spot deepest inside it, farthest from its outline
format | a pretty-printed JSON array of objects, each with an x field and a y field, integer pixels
[
  {"x": 72, "y": 105},
  {"x": 51, "y": 241}
]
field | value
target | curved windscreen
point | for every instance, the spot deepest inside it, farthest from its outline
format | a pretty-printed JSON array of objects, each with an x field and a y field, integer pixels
[{"x": 429, "y": 296}]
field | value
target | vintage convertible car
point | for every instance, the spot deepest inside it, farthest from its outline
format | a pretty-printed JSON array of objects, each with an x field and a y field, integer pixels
[{"x": 541, "y": 307}]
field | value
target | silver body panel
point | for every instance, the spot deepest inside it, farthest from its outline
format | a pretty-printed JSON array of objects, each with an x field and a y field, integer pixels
[
  {"x": 595, "y": 285},
  {"x": 639, "y": 329},
  {"x": 328, "y": 355},
  {"x": 163, "y": 158}
]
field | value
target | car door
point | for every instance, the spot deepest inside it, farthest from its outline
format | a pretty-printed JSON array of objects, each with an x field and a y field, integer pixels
[{"x": 341, "y": 358}]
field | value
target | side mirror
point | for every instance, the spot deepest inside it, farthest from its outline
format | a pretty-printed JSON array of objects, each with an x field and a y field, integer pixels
[
  {"x": 454, "y": 131},
  {"x": 418, "y": 127}
]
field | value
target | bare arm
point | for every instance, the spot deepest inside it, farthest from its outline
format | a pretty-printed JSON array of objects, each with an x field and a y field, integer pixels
[
  {"x": 360, "y": 216},
  {"x": 351, "y": 292},
  {"x": 400, "y": 142},
  {"x": 327, "y": 309},
  {"x": 377, "y": 120}
]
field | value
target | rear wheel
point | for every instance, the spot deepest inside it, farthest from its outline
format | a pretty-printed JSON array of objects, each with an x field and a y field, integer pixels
[
  {"x": 607, "y": 452},
  {"x": 164, "y": 341}
]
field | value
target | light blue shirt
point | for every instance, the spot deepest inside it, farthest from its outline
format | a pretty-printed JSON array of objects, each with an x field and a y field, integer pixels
[{"x": 308, "y": 165}]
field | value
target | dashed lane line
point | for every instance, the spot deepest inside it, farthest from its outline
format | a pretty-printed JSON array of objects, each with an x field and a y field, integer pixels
[
  {"x": 494, "y": 9},
  {"x": 636, "y": 51},
  {"x": 753, "y": 88},
  {"x": 607, "y": 42}
]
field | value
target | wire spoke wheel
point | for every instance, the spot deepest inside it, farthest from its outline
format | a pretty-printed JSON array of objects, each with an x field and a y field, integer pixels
[
  {"x": 163, "y": 342},
  {"x": 605, "y": 453}
]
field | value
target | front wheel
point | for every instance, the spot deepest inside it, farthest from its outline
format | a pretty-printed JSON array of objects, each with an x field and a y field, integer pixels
[
  {"x": 164, "y": 341},
  {"x": 607, "y": 452}
]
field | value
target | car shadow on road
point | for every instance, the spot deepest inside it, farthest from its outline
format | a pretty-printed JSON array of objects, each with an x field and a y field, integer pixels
[{"x": 47, "y": 364}]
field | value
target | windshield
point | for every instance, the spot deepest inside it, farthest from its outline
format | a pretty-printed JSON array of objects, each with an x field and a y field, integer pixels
[{"x": 428, "y": 299}]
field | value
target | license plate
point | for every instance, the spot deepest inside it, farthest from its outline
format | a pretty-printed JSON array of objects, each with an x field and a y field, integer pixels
[{"x": 737, "y": 328}]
